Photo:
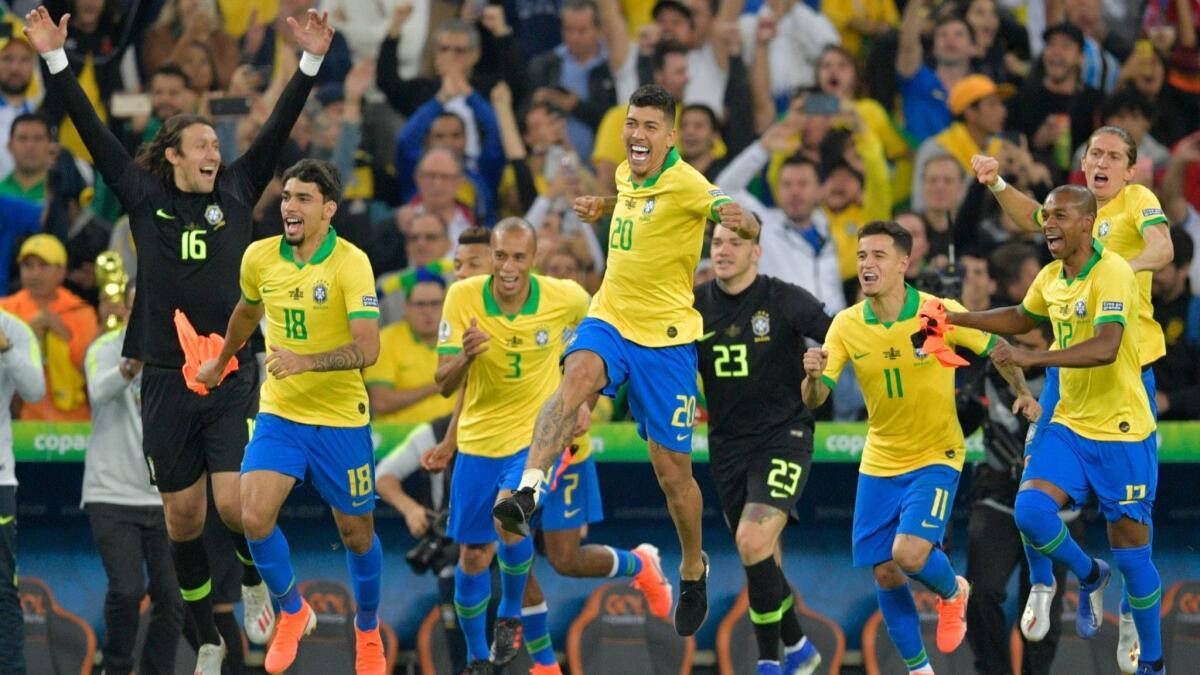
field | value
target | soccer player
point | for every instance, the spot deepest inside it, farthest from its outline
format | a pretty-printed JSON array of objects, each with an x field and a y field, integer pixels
[
  {"x": 191, "y": 220},
  {"x": 1131, "y": 223},
  {"x": 914, "y": 451},
  {"x": 760, "y": 435},
  {"x": 1101, "y": 437},
  {"x": 641, "y": 330},
  {"x": 500, "y": 337},
  {"x": 318, "y": 295}
]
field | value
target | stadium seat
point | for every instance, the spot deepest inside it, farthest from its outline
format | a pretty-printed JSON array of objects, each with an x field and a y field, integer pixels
[
  {"x": 434, "y": 650},
  {"x": 881, "y": 658},
  {"x": 56, "y": 641},
  {"x": 616, "y": 635},
  {"x": 736, "y": 650},
  {"x": 1181, "y": 626},
  {"x": 1076, "y": 655},
  {"x": 330, "y": 649},
  {"x": 185, "y": 656}
]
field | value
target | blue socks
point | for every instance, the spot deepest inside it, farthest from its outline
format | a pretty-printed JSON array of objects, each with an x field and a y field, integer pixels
[
  {"x": 537, "y": 635},
  {"x": 625, "y": 563},
  {"x": 1037, "y": 518},
  {"x": 273, "y": 559},
  {"x": 1041, "y": 568},
  {"x": 515, "y": 561},
  {"x": 472, "y": 592},
  {"x": 903, "y": 624},
  {"x": 365, "y": 571},
  {"x": 1144, "y": 590},
  {"x": 937, "y": 575}
]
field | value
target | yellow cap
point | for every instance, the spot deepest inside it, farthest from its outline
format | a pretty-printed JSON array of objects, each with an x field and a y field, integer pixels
[
  {"x": 18, "y": 32},
  {"x": 973, "y": 88},
  {"x": 45, "y": 246}
]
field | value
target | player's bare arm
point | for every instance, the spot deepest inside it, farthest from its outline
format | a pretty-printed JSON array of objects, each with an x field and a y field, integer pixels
[
  {"x": 1001, "y": 321},
  {"x": 1099, "y": 350},
  {"x": 1159, "y": 251},
  {"x": 1026, "y": 404},
  {"x": 1019, "y": 206},
  {"x": 812, "y": 388},
  {"x": 360, "y": 352},
  {"x": 452, "y": 368},
  {"x": 591, "y": 208},
  {"x": 437, "y": 458},
  {"x": 242, "y": 322},
  {"x": 739, "y": 220}
]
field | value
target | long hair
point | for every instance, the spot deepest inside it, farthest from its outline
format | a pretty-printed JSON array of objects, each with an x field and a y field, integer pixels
[{"x": 152, "y": 156}]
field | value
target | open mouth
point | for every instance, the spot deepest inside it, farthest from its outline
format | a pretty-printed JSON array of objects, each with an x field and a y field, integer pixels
[
  {"x": 1100, "y": 180},
  {"x": 293, "y": 226},
  {"x": 509, "y": 282},
  {"x": 870, "y": 277},
  {"x": 1054, "y": 242},
  {"x": 208, "y": 171},
  {"x": 639, "y": 153}
]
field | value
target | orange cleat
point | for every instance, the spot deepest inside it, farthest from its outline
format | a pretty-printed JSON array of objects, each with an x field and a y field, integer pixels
[
  {"x": 651, "y": 581},
  {"x": 289, "y": 628},
  {"x": 368, "y": 652},
  {"x": 952, "y": 618},
  {"x": 539, "y": 669}
]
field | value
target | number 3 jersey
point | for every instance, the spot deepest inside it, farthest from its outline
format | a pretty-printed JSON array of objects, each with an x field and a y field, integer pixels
[
  {"x": 508, "y": 383},
  {"x": 912, "y": 421},
  {"x": 751, "y": 359},
  {"x": 308, "y": 308}
]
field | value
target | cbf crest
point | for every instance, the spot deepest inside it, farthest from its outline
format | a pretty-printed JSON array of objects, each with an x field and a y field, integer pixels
[
  {"x": 320, "y": 292},
  {"x": 648, "y": 207},
  {"x": 1080, "y": 308},
  {"x": 760, "y": 324},
  {"x": 1104, "y": 228},
  {"x": 214, "y": 216},
  {"x": 542, "y": 337}
]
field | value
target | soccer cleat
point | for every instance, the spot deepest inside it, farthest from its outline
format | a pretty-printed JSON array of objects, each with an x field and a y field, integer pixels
[
  {"x": 803, "y": 661},
  {"x": 478, "y": 667},
  {"x": 539, "y": 669},
  {"x": 368, "y": 652},
  {"x": 652, "y": 582},
  {"x": 209, "y": 659},
  {"x": 506, "y": 640},
  {"x": 1128, "y": 649},
  {"x": 692, "y": 608},
  {"x": 1090, "y": 614},
  {"x": 515, "y": 512},
  {"x": 952, "y": 618},
  {"x": 1144, "y": 668},
  {"x": 288, "y": 631},
  {"x": 257, "y": 614},
  {"x": 923, "y": 670},
  {"x": 1035, "y": 621},
  {"x": 768, "y": 668}
]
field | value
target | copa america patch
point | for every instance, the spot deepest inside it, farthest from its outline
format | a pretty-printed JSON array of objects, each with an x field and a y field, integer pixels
[
  {"x": 370, "y": 301},
  {"x": 443, "y": 331},
  {"x": 1112, "y": 306},
  {"x": 716, "y": 193},
  {"x": 1147, "y": 213}
]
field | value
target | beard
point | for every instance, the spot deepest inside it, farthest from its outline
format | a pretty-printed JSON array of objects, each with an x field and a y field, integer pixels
[{"x": 13, "y": 88}]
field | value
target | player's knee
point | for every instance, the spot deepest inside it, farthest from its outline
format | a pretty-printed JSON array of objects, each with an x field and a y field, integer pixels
[
  {"x": 888, "y": 575},
  {"x": 356, "y": 537},
  {"x": 675, "y": 484},
  {"x": 123, "y": 595},
  {"x": 753, "y": 544},
  {"x": 256, "y": 523},
  {"x": 185, "y": 522},
  {"x": 909, "y": 558},
  {"x": 474, "y": 558}
]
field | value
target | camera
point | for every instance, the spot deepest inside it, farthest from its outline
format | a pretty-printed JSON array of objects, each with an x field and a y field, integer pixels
[
  {"x": 436, "y": 550},
  {"x": 945, "y": 283}
]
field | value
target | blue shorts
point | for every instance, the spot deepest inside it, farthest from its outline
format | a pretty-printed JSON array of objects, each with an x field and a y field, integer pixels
[
  {"x": 1049, "y": 401},
  {"x": 338, "y": 461},
  {"x": 575, "y": 501},
  {"x": 662, "y": 381},
  {"x": 916, "y": 503},
  {"x": 474, "y": 485},
  {"x": 1122, "y": 474}
]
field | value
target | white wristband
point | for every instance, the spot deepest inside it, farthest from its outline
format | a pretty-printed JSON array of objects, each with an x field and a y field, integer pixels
[
  {"x": 999, "y": 185},
  {"x": 310, "y": 64},
  {"x": 56, "y": 60}
]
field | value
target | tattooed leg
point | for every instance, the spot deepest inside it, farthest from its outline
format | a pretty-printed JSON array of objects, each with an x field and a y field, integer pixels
[
  {"x": 758, "y": 532},
  {"x": 583, "y": 375}
]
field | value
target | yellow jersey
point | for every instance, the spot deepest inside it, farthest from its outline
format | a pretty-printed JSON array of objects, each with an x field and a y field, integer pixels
[
  {"x": 508, "y": 383},
  {"x": 911, "y": 417},
  {"x": 654, "y": 243},
  {"x": 1103, "y": 403},
  {"x": 841, "y": 12},
  {"x": 406, "y": 362},
  {"x": 1119, "y": 226},
  {"x": 309, "y": 307}
]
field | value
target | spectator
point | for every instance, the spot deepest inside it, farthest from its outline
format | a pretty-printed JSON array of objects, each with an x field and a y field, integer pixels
[
  {"x": 943, "y": 187},
  {"x": 1177, "y": 109},
  {"x": 1001, "y": 47},
  {"x": 61, "y": 321},
  {"x": 978, "y": 287},
  {"x": 801, "y": 35},
  {"x": 29, "y": 145},
  {"x": 557, "y": 224},
  {"x": 170, "y": 94},
  {"x": 17, "y": 64},
  {"x": 1178, "y": 374},
  {"x": 978, "y": 108},
  {"x": 199, "y": 63},
  {"x": 532, "y": 148},
  {"x": 426, "y": 247},
  {"x": 1056, "y": 108},
  {"x": 1100, "y": 67},
  {"x": 926, "y": 89},
  {"x": 859, "y": 22},
  {"x": 695, "y": 24},
  {"x": 918, "y": 228},
  {"x": 1127, "y": 109},
  {"x": 182, "y": 23},
  {"x": 699, "y": 140},
  {"x": 1185, "y": 157},
  {"x": 21, "y": 218},
  {"x": 365, "y": 25},
  {"x": 439, "y": 179},
  {"x": 263, "y": 48},
  {"x": 562, "y": 263},
  {"x": 401, "y": 383},
  {"x": 1014, "y": 266}
]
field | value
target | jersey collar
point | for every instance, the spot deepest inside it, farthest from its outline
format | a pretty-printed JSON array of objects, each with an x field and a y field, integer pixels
[
  {"x": 672, "y": 158},
  {"x": 323, "y": 251},
  {"x": 912, "y": 302},
  {"x": 1098, "y": 249},
  {"x": 493, "y": 308}
]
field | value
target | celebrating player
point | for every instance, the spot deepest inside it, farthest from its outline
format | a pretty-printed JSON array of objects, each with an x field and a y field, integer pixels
[
  {"x": 1101, "y": 438},
  {"x": 642, "y": 330},
  {"x": 914, "y": 451},
  {"x": 1131, "y": 223},
  {"x": 191, "y": 220},
  {"x": 760, "y": 434},
  {"x": 318, "y": 295}
]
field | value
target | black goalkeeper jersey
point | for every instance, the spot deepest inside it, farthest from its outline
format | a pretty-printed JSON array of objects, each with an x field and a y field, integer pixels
[
  {"x": 751, "y": 359},
  {"x": 189, "y": 245}
]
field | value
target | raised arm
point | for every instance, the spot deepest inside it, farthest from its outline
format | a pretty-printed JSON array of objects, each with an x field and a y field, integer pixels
[
  {"x": 1175, "y": 203},
  {"x": 1020, "y": 207},
  {"x": 616, "y": 33},
  {"x": 908, "y": 59}
]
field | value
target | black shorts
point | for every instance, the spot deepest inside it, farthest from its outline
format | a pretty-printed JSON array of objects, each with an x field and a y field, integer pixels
[
  {"x": 185, "y": 435},
  {"x": 774, "y": 475}
]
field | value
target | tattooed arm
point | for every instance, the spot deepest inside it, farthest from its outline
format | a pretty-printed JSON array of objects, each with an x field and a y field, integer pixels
[
  {"x": 359, "y": 353},
  {"x": 1026, "y": 403}
]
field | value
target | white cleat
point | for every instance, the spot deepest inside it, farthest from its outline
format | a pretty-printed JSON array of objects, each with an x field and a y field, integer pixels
[
  {"x": 1035, "y": 621},
  {"x": 257, "y": 614},
  {"x": 1128, "y": 647},
  {"x": 209, "y": 659}
]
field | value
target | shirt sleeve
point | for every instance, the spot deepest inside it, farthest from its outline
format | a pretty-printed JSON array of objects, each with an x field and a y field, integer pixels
[
  {"x": 976, "y": 340},
  {"x": 1114, "y": 293},
  {"x": 454, "y": 321},
  {"x": 1148, "y": 211},
  {"x": 702, "y": 197},
  {"x": 1034, "y": 304},
  {"x": 358, "y": 288},
  {"x": 248, "y": 278},
  {"x": 23, "y": 361},
  {"x": 836, "y": 349}
]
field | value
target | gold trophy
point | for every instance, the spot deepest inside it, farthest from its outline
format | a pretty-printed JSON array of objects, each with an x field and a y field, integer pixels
[{"x": 112, "y": 280}]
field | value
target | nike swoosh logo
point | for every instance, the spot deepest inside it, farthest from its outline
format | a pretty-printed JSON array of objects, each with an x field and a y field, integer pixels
[
  {"x": 7, "y": 519},
  {"x": 571, "y": 513},
  {"x": 163, "y": 214},
  {"x": 858, "y": 356},
  {"x": 707, "y": 335},
  {"x": 362, "y": 503},
  {"x": 925, "y": 523},
  {"x": 680, "y": 437}
]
